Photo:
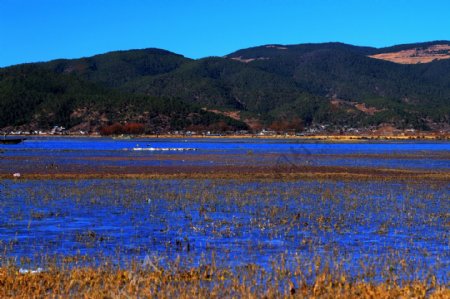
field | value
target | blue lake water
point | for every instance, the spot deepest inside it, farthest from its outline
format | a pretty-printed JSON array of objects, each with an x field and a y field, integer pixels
[
  {"x": 230, "y": 145},
  {"x": 107, "y": 151}
]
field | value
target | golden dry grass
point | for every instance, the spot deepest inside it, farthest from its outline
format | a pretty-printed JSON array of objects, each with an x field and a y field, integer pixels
[
  {"x": 205, "y": 282},
  {"x": 202, "y": 282}
]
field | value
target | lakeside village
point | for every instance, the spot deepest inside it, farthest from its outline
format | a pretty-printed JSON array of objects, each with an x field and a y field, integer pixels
[{"x": 382, "y": 131}]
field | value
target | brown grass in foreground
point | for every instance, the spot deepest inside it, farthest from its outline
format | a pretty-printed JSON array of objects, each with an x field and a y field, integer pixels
[{"x": 201, "y": 282}]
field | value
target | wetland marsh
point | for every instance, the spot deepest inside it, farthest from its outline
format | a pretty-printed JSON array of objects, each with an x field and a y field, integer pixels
[{"x": 232, "y": 218}]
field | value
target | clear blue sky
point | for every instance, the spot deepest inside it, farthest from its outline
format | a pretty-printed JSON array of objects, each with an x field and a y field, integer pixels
[{"x": 39, "y": 30}]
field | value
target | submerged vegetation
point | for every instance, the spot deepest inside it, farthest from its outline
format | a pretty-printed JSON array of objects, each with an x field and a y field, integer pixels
[
  {"x": 240, "y": 222},
  {"x": 223, "y": 237}
]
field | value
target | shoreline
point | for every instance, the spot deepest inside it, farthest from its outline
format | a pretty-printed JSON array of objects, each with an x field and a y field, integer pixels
[{"x": 344, "y": 138}]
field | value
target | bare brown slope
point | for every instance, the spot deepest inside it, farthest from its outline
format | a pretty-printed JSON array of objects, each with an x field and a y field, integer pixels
[{"x": 417, "y": 55}]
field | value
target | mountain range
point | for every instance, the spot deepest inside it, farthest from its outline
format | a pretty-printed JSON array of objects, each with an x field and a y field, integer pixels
[{"x": 283, "y": 87}]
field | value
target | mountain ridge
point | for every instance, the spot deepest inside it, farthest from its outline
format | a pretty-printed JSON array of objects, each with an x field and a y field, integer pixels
[{"x": 333, "y": 84}]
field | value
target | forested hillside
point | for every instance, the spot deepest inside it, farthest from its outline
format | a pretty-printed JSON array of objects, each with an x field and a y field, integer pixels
[
  {"x": 331, "y": 84},
  {"x": 35, "y": 98}
]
